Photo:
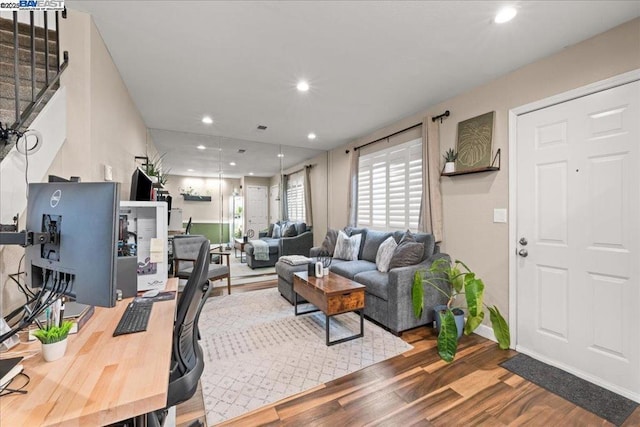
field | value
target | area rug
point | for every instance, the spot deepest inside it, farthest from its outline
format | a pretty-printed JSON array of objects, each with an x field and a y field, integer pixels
[
  {"x": 258, "y": 352},
  {"x": 600, "y": 401},
  {"x": 241, "y": 273}
]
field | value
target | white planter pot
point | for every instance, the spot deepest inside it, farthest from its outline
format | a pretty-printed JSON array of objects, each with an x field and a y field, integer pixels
[
  {"x": 55, "y": 351},
  {"x": 449, "y": 167}
]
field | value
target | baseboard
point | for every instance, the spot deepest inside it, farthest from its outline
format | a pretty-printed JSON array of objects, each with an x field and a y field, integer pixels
[{"x": 486, "y": 332}]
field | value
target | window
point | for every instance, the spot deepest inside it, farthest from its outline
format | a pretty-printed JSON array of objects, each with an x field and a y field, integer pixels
[
  {"x": 390, "y": 187},
  {"x": 295, "y": 197}
]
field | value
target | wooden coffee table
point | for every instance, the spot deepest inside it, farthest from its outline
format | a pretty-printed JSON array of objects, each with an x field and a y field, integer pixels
[{"x": 332, "y": 294}]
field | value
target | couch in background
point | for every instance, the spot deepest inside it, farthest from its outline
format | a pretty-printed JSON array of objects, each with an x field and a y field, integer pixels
[
  {"x": 283, "y": 238},
  {"x": 388, "y": 294}
]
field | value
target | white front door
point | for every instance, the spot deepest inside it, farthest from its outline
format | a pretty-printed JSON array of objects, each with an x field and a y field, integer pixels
[
  {"x": 578, "y": 208},
  {"x": 256, "y": 209}
]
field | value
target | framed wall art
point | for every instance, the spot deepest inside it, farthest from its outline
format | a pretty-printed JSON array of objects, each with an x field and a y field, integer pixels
[{"x": 475, "y": 138}]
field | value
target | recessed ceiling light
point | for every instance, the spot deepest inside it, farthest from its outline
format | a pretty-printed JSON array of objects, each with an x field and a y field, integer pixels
[
  {"x": 302, "y": 86},
  {"x": 280, "y": 155},
  {"x": 232, "y": 163},
  {"x": 189, "y": 170},
  {"x": 311, "y": 136},
  {"x": 207, "y": 120},
  {"x": 251, "y": 173},
  {"x": 201, "y": 147},
  {"x": 505, "y": 15}
]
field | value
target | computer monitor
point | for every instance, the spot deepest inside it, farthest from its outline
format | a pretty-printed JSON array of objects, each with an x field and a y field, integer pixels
[
  {"x": 81, "y": 260},
  {"x": 141, "y": 187}
]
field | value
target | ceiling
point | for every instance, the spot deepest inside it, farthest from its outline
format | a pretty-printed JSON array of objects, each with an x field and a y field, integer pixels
[{"x": 368, "y": 64}]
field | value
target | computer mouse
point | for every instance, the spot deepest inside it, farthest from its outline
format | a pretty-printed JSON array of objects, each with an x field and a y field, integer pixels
[{"x": 150, "y": 293}]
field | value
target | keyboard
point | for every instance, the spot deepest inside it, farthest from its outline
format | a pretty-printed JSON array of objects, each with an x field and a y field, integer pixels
[{"x": 134, "y": 319}]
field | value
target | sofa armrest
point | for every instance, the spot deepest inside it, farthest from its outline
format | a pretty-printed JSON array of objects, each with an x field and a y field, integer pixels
[
  {"x": 262, "y": 234},
  {"x": 315, "y": 251},
  {"x": 400, "y": 295},
  {"x": 297, "y": 245}
]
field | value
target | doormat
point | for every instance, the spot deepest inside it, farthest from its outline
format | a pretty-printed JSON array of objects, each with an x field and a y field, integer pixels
[{"x": 600, "y": 401}]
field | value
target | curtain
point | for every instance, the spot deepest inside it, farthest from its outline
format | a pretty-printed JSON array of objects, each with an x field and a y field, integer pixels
[
  {"x": 353, "y": 188},
  {"x": 431, "y": 202},
  {"x": 307, "y": 196},
  {"x": 283, "y": 197}
]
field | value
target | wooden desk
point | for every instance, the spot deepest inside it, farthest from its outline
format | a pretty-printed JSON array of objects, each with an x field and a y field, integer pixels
[{"x": 101, "y": 379}]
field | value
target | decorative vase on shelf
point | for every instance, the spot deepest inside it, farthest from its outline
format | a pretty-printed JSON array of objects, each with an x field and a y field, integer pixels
[
  {"x": 54, "y": 351},
  {"x": 449, "y": 167}
]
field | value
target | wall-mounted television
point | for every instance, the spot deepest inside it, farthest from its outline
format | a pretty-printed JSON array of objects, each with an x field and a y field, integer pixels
[{"x": 141, "y": 187}]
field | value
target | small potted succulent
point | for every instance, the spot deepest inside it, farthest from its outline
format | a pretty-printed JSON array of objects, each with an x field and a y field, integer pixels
[
  {"x": 450, "y": 157},
  {"x": 54, "y": 340}
]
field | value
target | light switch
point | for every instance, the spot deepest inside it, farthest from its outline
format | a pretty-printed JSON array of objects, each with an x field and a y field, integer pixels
[
  {"x": 500, "y": 215},
  {"x": 108, "y": 173}
]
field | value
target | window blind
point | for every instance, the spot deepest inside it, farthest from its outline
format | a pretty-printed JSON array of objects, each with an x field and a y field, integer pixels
[
  {"x": 390, "y": 187},
  {"x": 295, "y": 197}
]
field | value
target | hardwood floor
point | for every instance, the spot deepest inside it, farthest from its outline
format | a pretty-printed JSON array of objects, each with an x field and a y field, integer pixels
[{"x": 417, "y": 388}]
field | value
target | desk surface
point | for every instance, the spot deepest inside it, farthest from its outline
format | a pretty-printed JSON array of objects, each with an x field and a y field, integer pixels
[{"x": 101, "y": 379}]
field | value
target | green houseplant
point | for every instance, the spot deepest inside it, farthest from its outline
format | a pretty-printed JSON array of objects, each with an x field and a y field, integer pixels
[
  {"x": 54, "y": 340},
  {"x": 153, "y": 168},
  {"x": 450, "y": 157},
  {"x": 461, "y": 281}
]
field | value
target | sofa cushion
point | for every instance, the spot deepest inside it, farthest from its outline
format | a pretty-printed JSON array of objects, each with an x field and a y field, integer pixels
[
  {"x": 290, "y": 231},
  {"x": 329, "y": 242},
  {"x": 425, "y": 238},
  {"x": 273, "y": 246},
  {"x": 277, "y": 231},
  {"x": 377, "y": 283},
  {"x": 301, "y": 227},
  {"x": 351, "y": 268},
  {"x": 385, "y": 253},
  {"x": 347, "y": 247},
  {"x": 408, "y": 252}
]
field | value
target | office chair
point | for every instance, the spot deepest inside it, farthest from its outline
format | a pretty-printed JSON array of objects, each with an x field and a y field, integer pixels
[
  {"x": 185, "y": 251},
  {"x": 187, "y": 360}
]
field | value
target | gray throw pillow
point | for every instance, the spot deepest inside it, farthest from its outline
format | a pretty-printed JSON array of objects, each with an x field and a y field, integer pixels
[
  {"x": 385, "y": 253},
  {"x": 277, "y": 233},
  {"x": 329, "y": 243},
  {"x": 290, "y": 231},
  {"x": 270, "y": 230},
  {"x": 347, "y": 248},
  {"x": 408, "y": 252}
]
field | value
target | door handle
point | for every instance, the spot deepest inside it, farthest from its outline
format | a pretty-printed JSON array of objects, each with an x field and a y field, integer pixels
[
  {"x": 523, "y": 241},
  {"x": 523, "y": 253}
]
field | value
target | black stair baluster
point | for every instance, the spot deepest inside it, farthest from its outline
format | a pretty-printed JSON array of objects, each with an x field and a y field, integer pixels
[
  {"x": 57, "y": 42},
  {"x": 16, "y": 70},
  {"x": 46, "y": 49},
  {"x": 33, "y": 57}
]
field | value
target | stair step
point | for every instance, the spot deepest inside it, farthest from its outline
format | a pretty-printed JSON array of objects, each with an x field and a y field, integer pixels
[
  {"x": 7, "y": 25},
  {"x": 24, "y": 41},
  {"x": 7, "y": 90},
  {"x": 24, "y": 56},
  {"x": 6, "y": 70},
  {"x": 7, "y": 105}
]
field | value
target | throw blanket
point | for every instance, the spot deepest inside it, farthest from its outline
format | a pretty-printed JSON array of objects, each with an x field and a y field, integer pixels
[
  {"x": 260, "y": 250},
  {"x": 295, "y": 259}
]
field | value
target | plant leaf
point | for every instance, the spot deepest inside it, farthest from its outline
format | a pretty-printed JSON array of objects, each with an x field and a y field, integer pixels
[
  {"x": 417, "y": 294},
  {"x": 472, "y": 323},
  {"x": 448, "y": 337},
  {"x": 500, "y": 328},
  {"x": 474, "y": 293}
]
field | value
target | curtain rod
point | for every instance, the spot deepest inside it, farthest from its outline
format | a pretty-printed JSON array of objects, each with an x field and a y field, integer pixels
[
  {"x": 299, "y": 170},
  {"x": 386, "y": 137}
]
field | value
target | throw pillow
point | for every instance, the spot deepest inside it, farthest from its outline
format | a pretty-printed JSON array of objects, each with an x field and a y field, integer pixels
[
  {"x": 385, "y": 253},
  {"x": 277, "y": 233},
  {"x": 270, "y": 230},
  {"x": 408, "y": 252},
  {"x": 290, "y": 231},
  {"x": 329, "y": 242},
  {"x": 347, "y": 248}
]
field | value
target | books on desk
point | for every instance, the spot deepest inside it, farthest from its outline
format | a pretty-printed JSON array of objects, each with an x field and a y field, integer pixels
[
  {"x": 9, "y": 368},
  {"x": 74, "y": 312}
]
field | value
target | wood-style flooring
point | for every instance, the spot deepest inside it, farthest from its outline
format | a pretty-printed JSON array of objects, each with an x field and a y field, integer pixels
[{"x": 417, "y": 388}]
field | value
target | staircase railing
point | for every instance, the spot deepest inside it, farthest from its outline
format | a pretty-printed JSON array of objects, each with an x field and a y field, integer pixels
[{"x": 23, "y": 115}]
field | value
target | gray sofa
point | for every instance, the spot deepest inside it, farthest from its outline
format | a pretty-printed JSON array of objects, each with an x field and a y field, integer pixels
[
  {"x": 388, "y": 295},
  {"x": 300, "y": 244}
]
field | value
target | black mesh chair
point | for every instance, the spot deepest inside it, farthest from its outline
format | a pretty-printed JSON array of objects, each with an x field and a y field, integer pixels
[{"x": 187, "y": 362}]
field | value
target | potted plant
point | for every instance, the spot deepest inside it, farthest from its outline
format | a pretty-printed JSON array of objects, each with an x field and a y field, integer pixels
[
  {"x": 450, "y": 157},
  {"x": 154, "y": 170},
  {"x": 54, "y": 340},
  {"x": 459, "y": 280}
]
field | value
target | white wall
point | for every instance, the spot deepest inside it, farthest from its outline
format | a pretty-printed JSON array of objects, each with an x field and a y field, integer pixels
[{"x": 202, "y": 212}]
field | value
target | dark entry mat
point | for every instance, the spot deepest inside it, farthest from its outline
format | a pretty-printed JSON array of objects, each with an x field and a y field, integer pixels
[{"x": 602, "y": 402}]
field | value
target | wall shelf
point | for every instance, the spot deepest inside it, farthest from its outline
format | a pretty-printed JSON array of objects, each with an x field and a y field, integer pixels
[
  {"x": 491, "y": 168},
  {"x": 192, "y": 198}
]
